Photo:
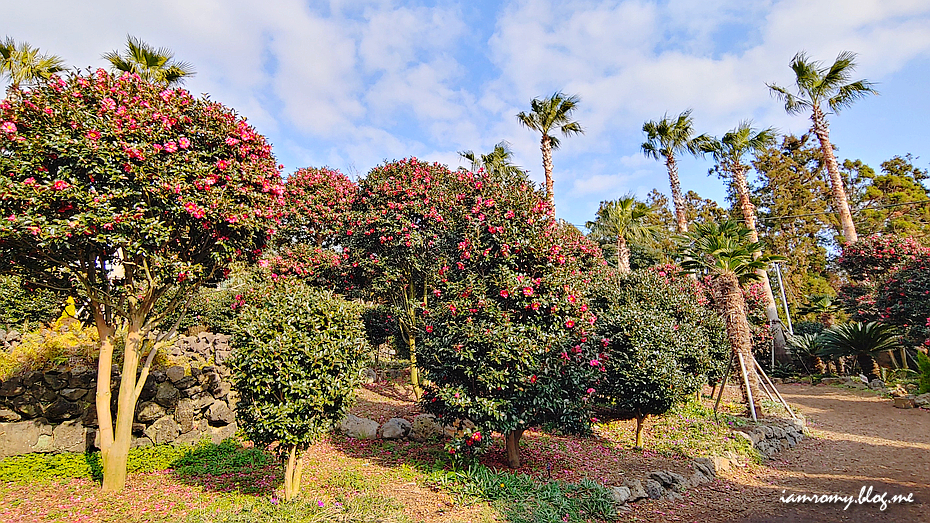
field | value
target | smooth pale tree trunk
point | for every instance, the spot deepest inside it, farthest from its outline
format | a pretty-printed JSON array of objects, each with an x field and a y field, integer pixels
[
  {"x": 293, "y": 472},
  {"x": 512, "y": 442},
  {"x": 545, "y": 145},
  {"x": 734, "y": 317},
  {"x": 822, "y": 130},
  {"x": 640, "y": 420},
  {"x": 115, "y": 439},
  {"x": 623, "y": 255},
  {"x": 681, "y": 217},
  {"x": 771, "y": 309}
]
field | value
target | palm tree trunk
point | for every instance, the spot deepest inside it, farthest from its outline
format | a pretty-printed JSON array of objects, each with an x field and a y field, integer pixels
[
  {"x": 623, "y": 255},
  {"x": 546, "y": 147},
  {"x": 822, "y": 131},
  {"x": 734, "y": 317},
  {"x": 749, "y": 217},
  {"x": 869, "y": 366},
  {"x": 681, "y": 218}
]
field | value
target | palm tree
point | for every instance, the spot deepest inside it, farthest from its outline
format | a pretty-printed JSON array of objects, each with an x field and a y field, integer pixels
[
  {"x": 818, "y": 84},
  {"x": 667, "y": 138},
  {"x": 23, "y": 64},
  {"x": 546, "y": 115},
  {"x": 728, "y": 152},
  {"x": 823, "y": 306},
  {"x": 622, "y": 221},
  {"x": 153, "y": 65},
  {"x": 498, "y": 161},
  {"x": 807, "y": 347},
  {"x": 725, "y": 253},
  {"x": 860, "y": 340}
]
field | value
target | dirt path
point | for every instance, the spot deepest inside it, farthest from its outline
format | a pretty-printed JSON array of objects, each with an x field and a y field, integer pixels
[{"x": 858, "y": 440}]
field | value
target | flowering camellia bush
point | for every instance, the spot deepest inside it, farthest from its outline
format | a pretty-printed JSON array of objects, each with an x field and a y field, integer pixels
[
  {"x": 128, "y": 194},
  {"x": 502, "y": 335},
  {"x": 660, "y": 344},
  {"x": 904, "y": 300},
  {"x": 296, "y": 367},
  {"x": 317, "y": 207},
  {"x": 401, "y": 229}
]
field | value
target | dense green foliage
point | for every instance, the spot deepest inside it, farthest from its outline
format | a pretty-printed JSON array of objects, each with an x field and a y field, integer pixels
[
  {"x": 299, "y": 352},
  {"x": 659, "y": 343},
  {"x": 43, "y": 467},
  {"x": 524, "y": 499},
  {"x": 903, "y": 300},
  {"x": 509, "y": 307},
  {"x": 20, "y": 305}
]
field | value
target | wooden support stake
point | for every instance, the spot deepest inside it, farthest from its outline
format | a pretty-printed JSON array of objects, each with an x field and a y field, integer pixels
[
  {"x": 752, "y": 406},
  {"x": 723, "y": 384},
  {"x": 781, "y": 399}
]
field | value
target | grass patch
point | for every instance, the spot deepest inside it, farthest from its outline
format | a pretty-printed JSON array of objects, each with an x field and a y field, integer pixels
[
  {"x": 45, "y": 467},
  {"x": 358, "y": 509},
  {"x": 524, "y": 499},
  {"x": 688, "y": 430}
]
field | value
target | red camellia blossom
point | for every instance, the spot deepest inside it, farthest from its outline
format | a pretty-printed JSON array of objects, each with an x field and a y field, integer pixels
[{"x": 60, "y": 185}]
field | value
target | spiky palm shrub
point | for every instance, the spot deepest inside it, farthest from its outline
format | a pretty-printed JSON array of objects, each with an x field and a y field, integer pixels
[
  {"x": 862, "y": 341},
  {"x": 806, "y": 347}
]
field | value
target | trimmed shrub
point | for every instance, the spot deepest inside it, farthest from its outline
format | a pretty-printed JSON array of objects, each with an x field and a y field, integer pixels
[
  {"x": 21, "y": 306},
  {"x": 296, "y": 367}
]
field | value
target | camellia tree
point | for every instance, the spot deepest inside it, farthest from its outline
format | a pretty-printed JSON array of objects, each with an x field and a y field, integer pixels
[
  {"x": 502, "y": 338},
  {"x": 299, "y": 353},
  {"x": 399, "y": 235},
  {"x": 660, "y": 340},
  {"x": 128, "y": 194}
]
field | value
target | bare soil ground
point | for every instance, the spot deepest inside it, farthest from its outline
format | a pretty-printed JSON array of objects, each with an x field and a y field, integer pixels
[{"x": 857, "y": 439}]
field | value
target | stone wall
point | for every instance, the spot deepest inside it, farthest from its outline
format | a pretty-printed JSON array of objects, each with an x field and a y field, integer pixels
[
  {"x": 54, "y": 411},
  {"x": 771, "y": 437}
]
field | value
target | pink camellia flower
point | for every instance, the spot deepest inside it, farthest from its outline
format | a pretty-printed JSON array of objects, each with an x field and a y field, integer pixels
[
  {"x": 93, "y": 135},
  {"x": 262, "y": 263},
  {"x": 509, "y": 214},
  {"x": 60, "y": 185},
  {"x": 527, "y": 291},
  {"x": 594, "y": 363},
  {"x": 590, "y": 391},
  {"x": 183, "y": 143},
  {"x": 222, "y": 164},
  {"x": 34, "y": 230},
  {"x": 505, "y": 294},
  {"x": 171, "y": 147},
  {"x": 569, "y": 324},
  {"x": 8, "y": 127},
  {"x": 12, "y": 218},
  {"x": 29, "y": 181}
]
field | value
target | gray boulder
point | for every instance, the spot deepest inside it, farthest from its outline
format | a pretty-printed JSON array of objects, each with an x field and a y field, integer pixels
[
  {"x": 359, "y": 428},
  {"x": 27, "y": 406},
  {"x": 620, "y": 495},
  {"x": 22, "y": 437},
  {"x": 654, "y": 489},
  {"x": 218, "y": 434},
  {"x": 7, "y": 415},
  {"x": 165, "y": 430},
  {"x": 425, "y": 427},
  {"x": 70, "y": 436},
  {"x": 167, "y": 395},
  {"x": 149, "y": 411},
  {"x": 922, "y": 400},
  {"x": 184, "y": 415},
  {"x": 175, "y": 373},
  {"x": 637, "y": 491},
  {"x": 220, "y": 414},
  {"x": 62, "y": 409},
  {"x": 12, "y": 387},
  {"x": 396, "y": 428}
]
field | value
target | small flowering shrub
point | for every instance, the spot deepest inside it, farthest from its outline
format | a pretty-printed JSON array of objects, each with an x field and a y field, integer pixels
[
  {"x": 659, "y": 344},
  {"x": 903, "y": 299},
  {"x": 466, "y": 447},
  {"x": 296, "y": 367}
]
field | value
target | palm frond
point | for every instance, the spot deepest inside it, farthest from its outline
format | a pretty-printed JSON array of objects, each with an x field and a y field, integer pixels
[{"x": 854, "y": 338}]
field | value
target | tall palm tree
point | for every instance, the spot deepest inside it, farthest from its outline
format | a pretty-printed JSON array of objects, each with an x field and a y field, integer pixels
[
  {"x": 498, "y": 161},
  {"x": 666, "y": 139},
  {"x": 817, "y": 84},
  {"x": 23, "y": 64},
  {"x": 729, "y": 152},
  {"x": 823, "y": 306},
  {"x": 153, "y": 65},
  {"x": 547, "y": 115},
  {"x": 622, "y": 221},
  {"x": 725, "y": 253}
]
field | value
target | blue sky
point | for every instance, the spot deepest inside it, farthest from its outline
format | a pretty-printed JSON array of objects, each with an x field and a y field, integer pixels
[{"x": 350, "y": 84}]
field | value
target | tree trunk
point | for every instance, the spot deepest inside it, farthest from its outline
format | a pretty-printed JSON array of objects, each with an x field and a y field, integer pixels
[
  {"x": 293, "y": 472},
  {"x": 640, "y": 418},
  {"x": 115, "y": 441},
  {"x": 623, "y": 255},
  {"x": 869, "y": 366},
  {"x": 822, "y": 130},
  {"x": 734, "y": 315},
  {"x": 749, "y": 217},
  {"x": 414, "y": 370},
  {"x": 818, "y": 365},
  {"x": 546, "y": 147},
  {"x": 512, "y": 440},
  {"x": 681, "y": 217}
]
